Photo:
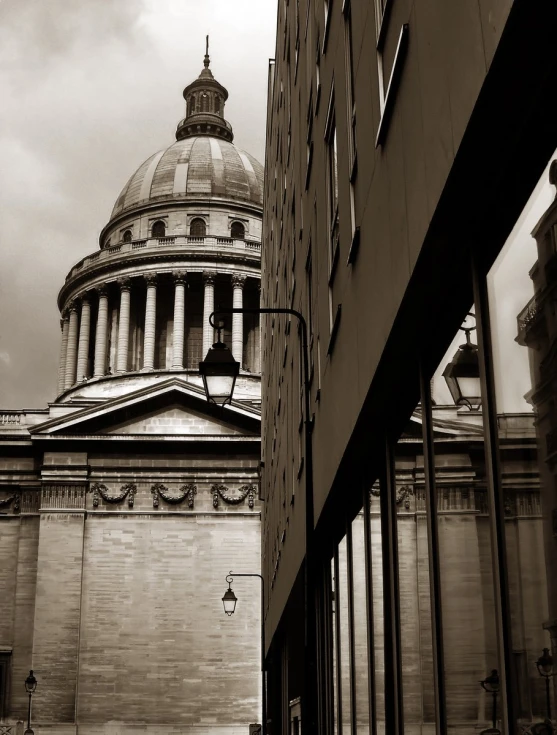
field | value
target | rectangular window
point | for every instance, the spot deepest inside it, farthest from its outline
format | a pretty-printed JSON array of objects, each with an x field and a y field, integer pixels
[
  {"x": 332, "y": 185},
  {"x": 350, "y": 104},
  {"x": 5, "y": 657}
]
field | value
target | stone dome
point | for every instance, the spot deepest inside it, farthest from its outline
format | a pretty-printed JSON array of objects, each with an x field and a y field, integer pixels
[{"x": 197, "y": 166}]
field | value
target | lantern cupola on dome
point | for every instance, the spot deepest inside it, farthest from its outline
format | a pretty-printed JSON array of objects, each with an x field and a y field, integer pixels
[{"x": 205, "y": 100}]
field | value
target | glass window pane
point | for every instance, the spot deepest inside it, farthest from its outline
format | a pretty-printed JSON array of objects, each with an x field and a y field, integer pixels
[
  {"x": 377, "y": 591},
  {"x": 524, "y": 338},
  {"x": 464, "y": 528},
  {"x": 361, "y": 670},
  {"x": 413, "y": 573},
  {"x": 344, "y": 636},
  {"x": 334, "y": 604}
]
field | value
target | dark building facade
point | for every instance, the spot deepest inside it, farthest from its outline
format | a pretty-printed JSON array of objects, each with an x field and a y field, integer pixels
[{"x": 403, "y": 142}]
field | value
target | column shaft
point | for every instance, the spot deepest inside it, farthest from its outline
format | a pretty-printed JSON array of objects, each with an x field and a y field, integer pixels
[
  {"x": 123, "y": 329},
  {"x": 63, "y": 350},
  {"x": 84, "y": 332},
  {"x": 150, "y": 323},
  {"x": 238, "y": 319},
  {"x": 71, "y": 351},
  {"x": 208, "y": 307},
  {"x": 99, "y": 368},
  {"x": 179, "y": 319}
]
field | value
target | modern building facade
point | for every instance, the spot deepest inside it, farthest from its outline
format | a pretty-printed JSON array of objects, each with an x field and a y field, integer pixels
[
  {"x": 403, "y": 142},
  {"x": 126, "y": 502}
]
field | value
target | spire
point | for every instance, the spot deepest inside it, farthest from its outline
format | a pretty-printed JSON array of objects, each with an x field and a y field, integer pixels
[
  {"x": 206, "y": 60},
  {"x": 205, "y": 100}
]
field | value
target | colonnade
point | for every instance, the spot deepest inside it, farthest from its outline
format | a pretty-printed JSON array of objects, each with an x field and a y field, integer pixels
[{"x": 77, "y": 319}]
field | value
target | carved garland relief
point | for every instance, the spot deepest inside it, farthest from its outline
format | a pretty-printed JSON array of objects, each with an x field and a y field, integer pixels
[
  {"x": 221, "y": 491},
  {"x": 126, "y": 491},
  {"x": 189, "y": 490}
]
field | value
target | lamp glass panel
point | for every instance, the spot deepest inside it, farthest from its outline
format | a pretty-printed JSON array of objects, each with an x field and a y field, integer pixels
[
  {"x": 220, "y": 387},
  {"x": 470, "y": 389}
]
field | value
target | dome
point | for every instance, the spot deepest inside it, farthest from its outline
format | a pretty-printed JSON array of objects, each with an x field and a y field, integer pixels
[{"x": 196, "y": 166}]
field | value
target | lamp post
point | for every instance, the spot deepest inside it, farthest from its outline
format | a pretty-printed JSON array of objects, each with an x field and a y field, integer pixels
[
  {"x": 30, "y": 687},
  {"x": 545, "y": 668},
  {"x": 229, "y": 601},
  {"x": 462, "y": 374},
  {"x": 491, "y": 685},
  {"x": 209, "y": 369}
]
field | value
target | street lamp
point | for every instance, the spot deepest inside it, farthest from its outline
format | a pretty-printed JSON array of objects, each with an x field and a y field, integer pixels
[
  {"x": 545, "y": 668},
  {"x": 217, "y": 368},
  {"x": 491, "y": 685},
  {"x": 219, "y": 371},
  {"x": 462, "y": 374},
  {"x": 229, "y": 601},
  {"x": 30, "y": 687}
]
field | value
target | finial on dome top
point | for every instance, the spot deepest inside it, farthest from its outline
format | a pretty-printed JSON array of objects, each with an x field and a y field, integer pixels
[{"x": 206, "y": 60}]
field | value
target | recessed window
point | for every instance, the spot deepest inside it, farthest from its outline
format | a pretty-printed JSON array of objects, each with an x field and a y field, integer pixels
[
  {"x": 198, "y": 228},
  {"x": 127, "y": 236},
  {"x": 237, "y": 231},
  {"x": 158, "y": 229}
]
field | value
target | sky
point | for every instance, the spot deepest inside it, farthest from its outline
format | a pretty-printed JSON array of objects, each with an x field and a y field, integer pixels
[{"x": 89, "y": 90}]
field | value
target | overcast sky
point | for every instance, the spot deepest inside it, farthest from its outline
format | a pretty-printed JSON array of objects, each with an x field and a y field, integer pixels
[{"x": 89, "y": 90}]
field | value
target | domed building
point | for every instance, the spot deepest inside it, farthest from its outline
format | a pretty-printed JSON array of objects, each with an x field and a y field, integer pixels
[{"x": 126, "y": 502}]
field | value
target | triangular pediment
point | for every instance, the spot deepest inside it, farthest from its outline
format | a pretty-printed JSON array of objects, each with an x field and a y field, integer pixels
[{"x": 171, "y": 409}]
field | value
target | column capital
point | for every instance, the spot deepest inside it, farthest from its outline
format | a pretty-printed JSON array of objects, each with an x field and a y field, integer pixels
[
  {"x": 208, "y": 278},
  {"x": 151, "y": 279},
  {"x": 180, "y": 276},
  {"x": 102, "y": 290},
  {"x": 85, "y": 297},
  {"x": 125, "y": 284},
  {"x": 64, "y": 314},
  {"x": 238, "y": 280},
  {"x": 72, "y": 306}
]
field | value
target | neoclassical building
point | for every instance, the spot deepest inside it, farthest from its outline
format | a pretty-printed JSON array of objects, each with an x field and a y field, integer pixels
[{"x": 126, "y": 501}]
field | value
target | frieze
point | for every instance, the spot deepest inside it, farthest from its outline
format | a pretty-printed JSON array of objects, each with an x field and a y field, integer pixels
[
  {"x": 63, "y": 496},
  {"x": 403, "y": 495},
  {"x": 126, "y": 491},
  {"x": 15, "y": 499},
  {"x": 187, "y": 491},
  {"x": 221, "y": 491}
]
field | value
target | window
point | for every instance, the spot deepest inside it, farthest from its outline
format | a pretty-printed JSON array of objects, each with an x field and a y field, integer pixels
[
  {"x": 198, "y": 228},
  {"x": 4, "y": 683},
  {"x": 127, "y": 236},
  {"x": 237, "y": 231},
  {"x": 350, "y": 105},
  {"x": 158, "y": 229},
  {"x": 332, "y": 185}
]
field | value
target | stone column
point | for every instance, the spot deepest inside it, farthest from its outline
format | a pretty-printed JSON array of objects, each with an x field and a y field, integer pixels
[
  {"x": 179, "y": 317},
  {"x": 238, "y": 282},
  {"x": 208, "y": 308},
  {"x": 123, "y": 326},
  {"x": 101, "y": 334},
  {"x": 71, "y": 351},
  {"x": 65, "y": 327},
  {"x": 84, "y": 332},
  {"x": 150, "y": 322}
]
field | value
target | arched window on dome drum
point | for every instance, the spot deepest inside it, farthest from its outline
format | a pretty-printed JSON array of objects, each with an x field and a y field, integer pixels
[
  {"x": 204, "y": 102},
  {"x": 158, "y": 229},
  {"x": 237, "y": 231},
  {"x": 127, "y": 236},
  {"x": 198, "y": 228},
  {"x": 217, "y": 104}
]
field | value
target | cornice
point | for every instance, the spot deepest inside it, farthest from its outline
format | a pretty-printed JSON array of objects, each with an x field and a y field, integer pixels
[{"x": 165, "y": 262}]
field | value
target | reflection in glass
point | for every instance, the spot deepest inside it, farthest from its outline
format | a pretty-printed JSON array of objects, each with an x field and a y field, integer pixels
[
  {"x": 377, "y": 592},
  {"x": 465, "y": 564},
  {"x": 344, "y": 648},
  {"x": 413, "y": 578},
  {"x": 360, "y": 626},
  {"x": 524, "y": 342}
]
